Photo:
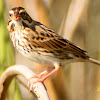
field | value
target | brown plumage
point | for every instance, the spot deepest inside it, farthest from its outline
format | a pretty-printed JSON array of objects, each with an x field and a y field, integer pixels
[{"x": 41, "y": 44}]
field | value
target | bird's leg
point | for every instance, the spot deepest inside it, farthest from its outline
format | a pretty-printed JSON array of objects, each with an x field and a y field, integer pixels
[
  {"x": 41, "y": 77},
  {"x": 42, "y": 73},
  {"x": 49, "y": 74}
]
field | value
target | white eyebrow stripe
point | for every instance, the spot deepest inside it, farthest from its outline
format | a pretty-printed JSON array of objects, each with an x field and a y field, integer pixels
[
  {"x": 11, "y": 12},
  {"x": 22, "y": 11}
]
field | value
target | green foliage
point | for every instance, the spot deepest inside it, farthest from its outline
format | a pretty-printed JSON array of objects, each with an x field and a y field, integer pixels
[
  {"x": 14, "y": 91},
  {"x": 1, "y": 6},
  {"x": 7, "y": 53},
  {"x": 6, "y": 49}
]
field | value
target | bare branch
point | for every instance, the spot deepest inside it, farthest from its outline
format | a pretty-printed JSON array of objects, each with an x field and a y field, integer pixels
[{"x": 11, "y": 72}]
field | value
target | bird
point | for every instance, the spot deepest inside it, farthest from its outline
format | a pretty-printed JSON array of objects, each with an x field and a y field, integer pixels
[{"x": 40, "y": 44}]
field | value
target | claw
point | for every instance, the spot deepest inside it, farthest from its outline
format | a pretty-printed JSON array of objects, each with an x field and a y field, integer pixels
[{"x": 33, "y": 80}]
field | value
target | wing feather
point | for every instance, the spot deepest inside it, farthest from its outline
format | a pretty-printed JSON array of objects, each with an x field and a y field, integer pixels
[{"x": 47, "y": 39}]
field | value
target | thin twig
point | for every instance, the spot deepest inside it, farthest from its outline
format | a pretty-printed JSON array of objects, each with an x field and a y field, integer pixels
[{"x": 20, "y": 81}]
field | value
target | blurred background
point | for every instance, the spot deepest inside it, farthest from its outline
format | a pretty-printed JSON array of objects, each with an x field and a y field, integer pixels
[{"x": 76, "y": 20}]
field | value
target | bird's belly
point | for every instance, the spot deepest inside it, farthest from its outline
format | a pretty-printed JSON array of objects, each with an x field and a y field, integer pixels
[
  {"x": 34, "y": 56},
  {"x": 44, "y": 59}
]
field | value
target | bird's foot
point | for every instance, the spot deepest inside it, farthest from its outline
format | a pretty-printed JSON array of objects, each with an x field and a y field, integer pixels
[
  {"x": 40, "y": 77},
  {"x": 33, "y": 80}
]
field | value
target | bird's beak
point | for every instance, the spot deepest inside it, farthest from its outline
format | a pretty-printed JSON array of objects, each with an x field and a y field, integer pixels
[{"x": 16, "y": 16}]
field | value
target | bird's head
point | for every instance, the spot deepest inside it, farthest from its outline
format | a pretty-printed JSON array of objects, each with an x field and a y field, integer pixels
[{"x": 19, "y": 13}]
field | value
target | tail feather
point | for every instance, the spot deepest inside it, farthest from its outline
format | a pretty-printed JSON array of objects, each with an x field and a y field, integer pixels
[{"x": 94, "y": 61}]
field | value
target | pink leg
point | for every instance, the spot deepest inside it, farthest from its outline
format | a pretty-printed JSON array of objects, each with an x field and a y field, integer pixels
[
  {"x": 49, "y": 74},
  {"x": 42, "y": 73},
  {"x": 40, "y": 78}
]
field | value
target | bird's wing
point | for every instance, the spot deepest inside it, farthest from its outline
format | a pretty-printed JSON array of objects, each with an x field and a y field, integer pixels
[{"x": 43, "y": 38}]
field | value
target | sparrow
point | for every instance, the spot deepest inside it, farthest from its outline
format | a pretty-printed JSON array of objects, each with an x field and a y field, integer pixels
[{"x": 42, "y": 45}]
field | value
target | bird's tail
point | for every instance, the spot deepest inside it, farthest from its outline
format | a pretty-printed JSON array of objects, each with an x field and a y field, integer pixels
[{"x": 94, "y": 61}]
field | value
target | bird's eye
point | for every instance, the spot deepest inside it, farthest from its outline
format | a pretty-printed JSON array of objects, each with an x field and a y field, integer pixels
[{"x": 10, "y": 15}]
